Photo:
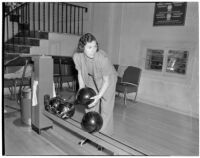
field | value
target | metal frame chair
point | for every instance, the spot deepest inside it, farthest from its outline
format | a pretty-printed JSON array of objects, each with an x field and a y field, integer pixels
[
  {"x": 21, "y": 82},
  {"x": 130, "y": 82}
]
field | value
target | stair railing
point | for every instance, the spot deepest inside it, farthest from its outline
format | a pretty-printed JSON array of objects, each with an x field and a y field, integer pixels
[{"x": 31, "y": 17}]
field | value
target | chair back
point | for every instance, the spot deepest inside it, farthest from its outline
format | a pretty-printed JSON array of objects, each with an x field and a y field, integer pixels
[
  {"x": 132, "y": 75},
  {"x": 116, "y": 66}
]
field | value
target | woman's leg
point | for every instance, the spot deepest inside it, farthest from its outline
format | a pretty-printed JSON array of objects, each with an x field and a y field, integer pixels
[{"x": 107, "y": 107}]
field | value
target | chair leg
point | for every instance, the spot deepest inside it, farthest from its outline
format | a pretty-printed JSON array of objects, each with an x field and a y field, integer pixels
[
  {"x": 117, "y": 94},
  {"x": 68, "y": 84},
  {"x": 15, "y": 90},
  {"x": 11, "y": 91},
  {"x": 75, "y": 85},
  {"x": 135, "y": 97},
  {"x": 125, "y": 98}
]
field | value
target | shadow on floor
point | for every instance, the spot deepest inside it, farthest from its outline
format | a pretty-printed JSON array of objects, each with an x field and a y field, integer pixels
[
  {"x": 19, "y": 123},
  {"x": 10, "y": 114}
]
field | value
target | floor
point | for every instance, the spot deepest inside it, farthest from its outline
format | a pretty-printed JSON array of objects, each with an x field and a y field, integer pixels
[
  {"x": 21, "y": 140},
  {"x": 156, "y": 131},
  {"x": 150, "y": 129}
]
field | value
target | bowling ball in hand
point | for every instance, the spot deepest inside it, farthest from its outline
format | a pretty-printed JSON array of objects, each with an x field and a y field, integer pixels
[
  {"x": 54, "y": 104},
  {"x": 92, "y": 122},
  {"x": 66, "y": 110},
  {"x": 84, "y": 95}
]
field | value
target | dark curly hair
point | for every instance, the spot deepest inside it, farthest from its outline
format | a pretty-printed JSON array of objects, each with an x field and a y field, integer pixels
[{"x": 88, "y": 37}]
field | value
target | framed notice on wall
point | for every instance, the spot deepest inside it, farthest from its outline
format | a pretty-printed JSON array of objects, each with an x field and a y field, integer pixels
[{"x": 169, "y": 13}]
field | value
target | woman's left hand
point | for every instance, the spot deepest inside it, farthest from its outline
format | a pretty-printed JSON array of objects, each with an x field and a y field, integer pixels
[{"x": 96, "y": 99}]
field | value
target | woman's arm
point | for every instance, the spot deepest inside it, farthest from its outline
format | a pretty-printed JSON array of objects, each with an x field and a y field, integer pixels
[{"x": 103, "y": 89}]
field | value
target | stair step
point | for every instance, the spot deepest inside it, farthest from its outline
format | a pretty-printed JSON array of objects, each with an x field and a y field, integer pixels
[
  {"x": 23, "y": 26},
  {"x": 33, "y": 34},
  {"x": 14, "y": 18},
  {"x": 10, "y": 48},
  {"x": 24, "y": 41}
]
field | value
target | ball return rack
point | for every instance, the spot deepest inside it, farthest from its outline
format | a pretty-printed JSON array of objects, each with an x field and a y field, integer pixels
[{"x": 116, "y": 147}]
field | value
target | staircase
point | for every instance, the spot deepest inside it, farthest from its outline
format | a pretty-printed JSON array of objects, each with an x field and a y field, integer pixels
[
  {"x": 21, "y": 44},
  {"x": 30, "y": 22}
]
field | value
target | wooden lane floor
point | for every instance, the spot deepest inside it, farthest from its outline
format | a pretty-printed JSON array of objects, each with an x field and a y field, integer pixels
[
  {"x": 156, "y": 131},
  {"x": 68, "y": 142},
  {"x": 21, "y": 140}
]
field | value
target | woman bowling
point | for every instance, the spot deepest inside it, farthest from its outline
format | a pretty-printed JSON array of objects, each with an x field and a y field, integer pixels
[{"x": 96, "y": 71}]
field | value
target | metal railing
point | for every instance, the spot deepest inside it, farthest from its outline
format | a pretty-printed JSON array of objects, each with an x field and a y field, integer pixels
[{"x": 43, "y": 17}]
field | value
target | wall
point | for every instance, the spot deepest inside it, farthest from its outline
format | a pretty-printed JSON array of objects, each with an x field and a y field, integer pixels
[
  {"x": 137, "y": 25},
  {"x": 134, "y": 33},
  {"x": 106, "y": 26},
  {"x": 60, "y": 44},
  {"x": 174, "y": 93}
]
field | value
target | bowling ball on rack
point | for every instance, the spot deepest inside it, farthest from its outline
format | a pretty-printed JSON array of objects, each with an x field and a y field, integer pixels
[
  {"x": 66, "y": 110},
  {"x": 54, "y": 104},
  {"x": 46, "y": 102},
  {"x": 92, "y": 122},
  {"x": 83, "y": 96}
]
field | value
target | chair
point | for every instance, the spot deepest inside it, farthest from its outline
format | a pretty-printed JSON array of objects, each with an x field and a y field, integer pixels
[
  {"x": 24, "y": 80},
  {"x": 68, "y": 74},
  {"x": 56, "y": 75},
  {"x": 9, "y": 83},
  {"x": 130, "y": 82},
  {"x": 16, "y": 81},
  {"x": 64, "y": 71}
]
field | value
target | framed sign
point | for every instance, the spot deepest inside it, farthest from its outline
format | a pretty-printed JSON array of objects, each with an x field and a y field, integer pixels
[{"x": 169, "y": 13}]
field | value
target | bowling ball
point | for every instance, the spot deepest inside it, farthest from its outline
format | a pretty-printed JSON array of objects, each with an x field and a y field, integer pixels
[
  {"x": 54, "y": 104},
  {"x": 46, "y": 102},
  {"x": 92, "y": 122},
  {"x": 84, "y": 95},
  {"x": 66, "y": 110}
]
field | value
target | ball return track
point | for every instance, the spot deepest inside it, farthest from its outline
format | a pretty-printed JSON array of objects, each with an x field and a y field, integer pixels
[{"x": 116, "y": 147}]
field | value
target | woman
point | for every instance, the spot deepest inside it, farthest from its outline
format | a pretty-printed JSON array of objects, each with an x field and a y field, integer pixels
[{"x": 96, "y": 71}]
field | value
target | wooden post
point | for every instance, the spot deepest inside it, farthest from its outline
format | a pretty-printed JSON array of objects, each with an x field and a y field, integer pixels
[{"x": 43, "y": 74}]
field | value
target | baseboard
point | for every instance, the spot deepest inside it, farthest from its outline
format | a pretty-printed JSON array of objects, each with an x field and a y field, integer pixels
[{"x": 193, "y": 115}]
